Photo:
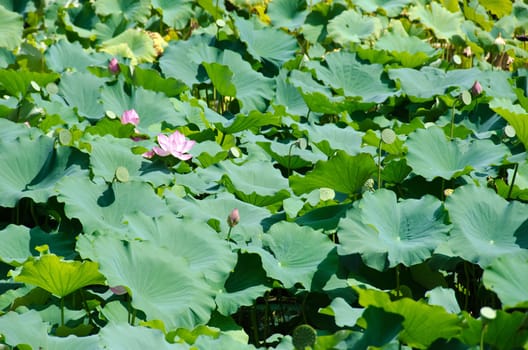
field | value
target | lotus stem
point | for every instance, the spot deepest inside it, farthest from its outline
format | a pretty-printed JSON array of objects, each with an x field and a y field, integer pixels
[
  {"x": 452, "y": 122},
  {"x": 379, "y": 164},
  {"x": 513, "y": 180},
  {"x": 62, "y": 311}
]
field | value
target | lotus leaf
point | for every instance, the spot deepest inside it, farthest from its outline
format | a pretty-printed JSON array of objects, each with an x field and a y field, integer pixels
[
  {"x": 505, "y": 276},
  {"x": 485, "y": 225},
  {"x": 387, "y": 232}
]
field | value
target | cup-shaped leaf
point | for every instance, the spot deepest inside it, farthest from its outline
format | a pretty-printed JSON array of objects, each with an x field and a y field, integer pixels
[
  {"x": 57, "y": 276},
  {"x": 485, "y": 225},
  {"x": 432, "y": 155},
  {"x": 387, "y": 232}
]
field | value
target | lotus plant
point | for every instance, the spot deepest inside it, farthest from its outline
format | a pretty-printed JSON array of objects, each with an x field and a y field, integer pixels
[
  {"x": 232, "y": 220},
  {"x": 175, "y": 144}
]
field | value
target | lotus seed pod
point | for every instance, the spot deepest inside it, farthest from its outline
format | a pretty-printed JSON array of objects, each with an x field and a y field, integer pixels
[
  {"x": 388, "y": 136},
  {"x": 487, "y": 313},
  {"x": 303, "y": 335}
]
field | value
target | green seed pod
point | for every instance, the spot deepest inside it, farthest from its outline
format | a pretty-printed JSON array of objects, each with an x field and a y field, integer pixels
[{"x": 304, "y": 335}]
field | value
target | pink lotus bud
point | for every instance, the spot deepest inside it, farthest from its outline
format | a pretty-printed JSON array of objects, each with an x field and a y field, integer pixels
[
  {"x": 130, "y": 117},
  {"x": 476, "y": 89},
  {"x": 113, "y": 66},
  {"x": 233, "y": 218},
  {"x": 119, "y": 290}
]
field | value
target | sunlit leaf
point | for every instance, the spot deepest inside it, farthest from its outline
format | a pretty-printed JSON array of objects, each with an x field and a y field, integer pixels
[
  {"x": 58, "y": 276},
  {"x": 351, "y": 26}
]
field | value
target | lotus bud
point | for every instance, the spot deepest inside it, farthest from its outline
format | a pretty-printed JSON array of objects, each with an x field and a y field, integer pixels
[
  {"x": 476, "y": 89},
  {"x": 119, "y": 290},
  {"x": 234, "y": 218},
  {"x": 467, "y": 51},
  {"x": 113, "y": 66},
  {"x": 500, "y": 40}
]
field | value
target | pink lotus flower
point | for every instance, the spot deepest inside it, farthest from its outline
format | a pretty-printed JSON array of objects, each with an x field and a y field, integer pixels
[
  {"x": 130, "y": 117},
  {"x": 175, "y": 144},
  {"x": 113, "y": 66},
  {"x": 233, "y": 218}
]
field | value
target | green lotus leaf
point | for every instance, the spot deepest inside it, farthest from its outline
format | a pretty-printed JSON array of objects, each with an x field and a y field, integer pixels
[
  {"x": 189, "y": 55},
  {"x": 253, "y": 89},
  {"x": 444, "y": 297},
  {"x": 431, "y": 154},
  {"x": 287, "y": 13},
  {"x": 221, "y": 77},
  {"x": 422, "y": 323},
  {"x": 444, "y": 23},
  {"x": 266, "y": 43},
  {"x": 351, "y": 27},
  {"x": 342, "y": 173},
  {"x": 485, "y": 225},
  {"x": 409, "y": 50},
  {"x": 77, "y": 20},
  {"x": 214, "y": 210},
  {"x": 65, "y": 55},
  {"x": 505, "y": 277},
  {"x": 133, "y": 44},
  {"x": 514, "y": 114},
  {"x": 381, "y": 228},
  {"x": 132, "y": 10},
  {"x": 296, "y": 253},
  {"x": 244, "y": 285},
  {"x": 196, "y": 242},
  {"x": 208, "y": 153},
  {"x": 393, "y": 8},
  {"x": 499, "y": 8},
  {"x": 101, "y": 207},
  {"x": 259, "y": 183},
  {"x": 11, "y": 29},
  {"x": 175, "y": 13},
  {"x": 253, "y": 119},
  {"x": 125, "y": 336},
  {"x": 319, "y": 98},
  {"x": 79, "y": 343},
  {"x": 152, "y": 107},
  {"x": 355, "y": 79},
  {"x": 109, "y": 153},
  {"x": 34, "y": 168},
  {"x": 325, "y": 218},
  {"x": 6, "y": 57},
  {"x": 223, "y": 341},
  {"x": 507, "y": 330},
  {"x": 10, "y": 131},
  {"x": 33, "y": 333},
  {"x": 84, "y": 96},
  {"x": 151, "y": 79},
  {"x": 290, "y": 156},
  {"x": 345, "y": 315},
  {"x": 287, "y": 95},
  {"x": 330, "y": 138},
  {"x": 161, "y": 284},
  {"x": 430, "y": 81},
  {"x": 381, "y": 328},
  {"x": 15, "y": 247},
  {"x": 17, "y": 82},
  {"x": 57, "y": 276}
]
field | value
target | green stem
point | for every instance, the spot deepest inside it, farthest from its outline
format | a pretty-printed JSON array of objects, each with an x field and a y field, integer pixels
[
  {"x": 484, "y": 329},
  {"x": 62, "y": 311},
  {"x": 452, "y": 122},
  {"x": 229, "y": 233},
  {"x": 254, "y": 325},
  {"x": 466, "y": 292},
  {"x": 379, "y": 164},
  {"x": 398, "y": 280},
  {"x": 289, "y": 158},
  {"x": 513, "y": 180}
]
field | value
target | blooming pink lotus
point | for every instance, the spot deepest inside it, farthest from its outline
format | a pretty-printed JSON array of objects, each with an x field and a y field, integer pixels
[
  {"x": 113, "y": 66},
  {"x": 130, "y": 117},
  {"x": 175, "y": 144}
]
